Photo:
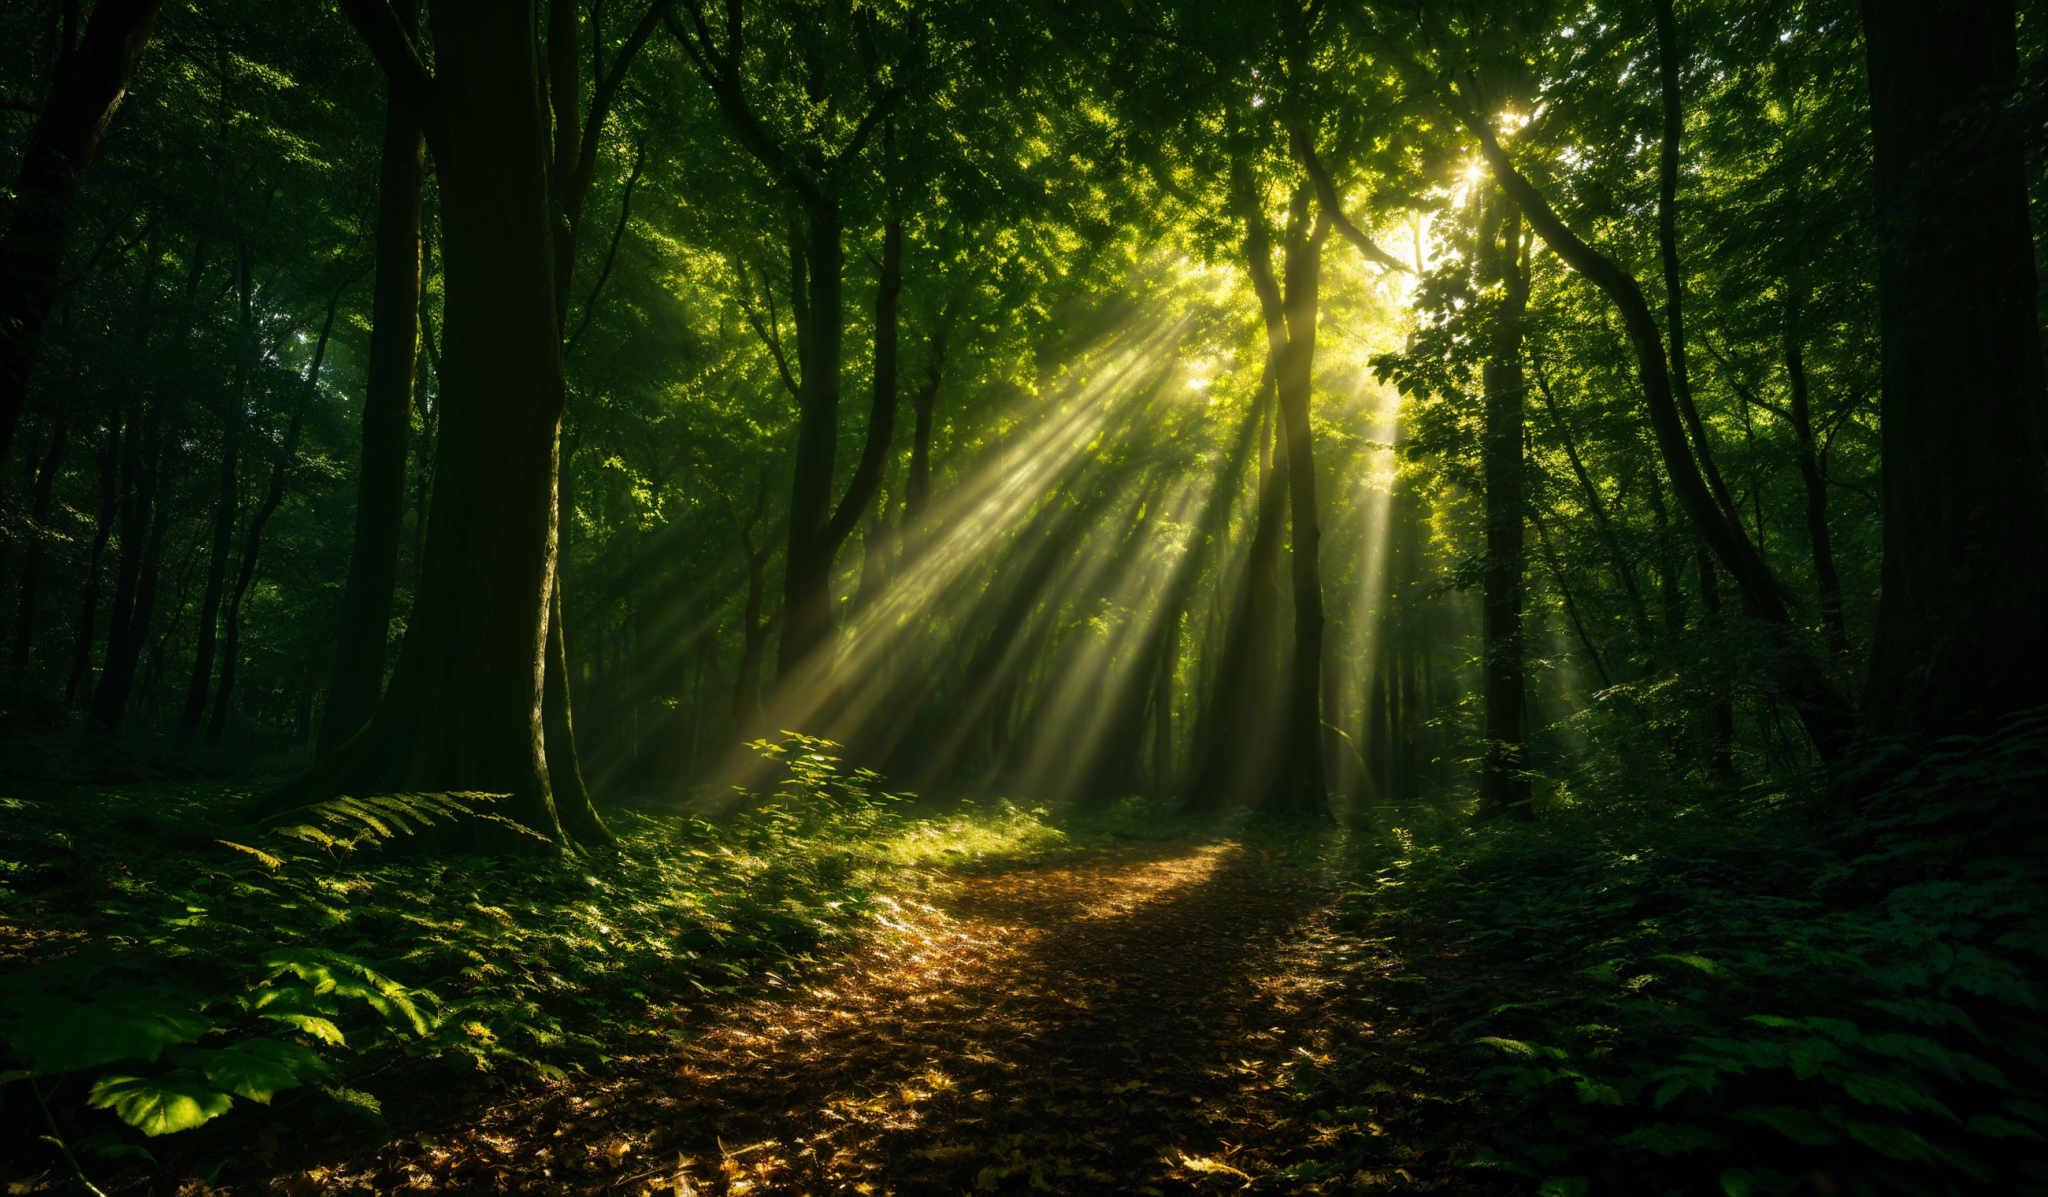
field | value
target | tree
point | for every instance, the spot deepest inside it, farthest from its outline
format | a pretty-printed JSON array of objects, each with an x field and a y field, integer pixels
[
  {"x": 365, "y": 628},
  {"x": 463, "y": 709},
  {"x": 1960, "y": 639},
  {"x": 88, "y": 85}
]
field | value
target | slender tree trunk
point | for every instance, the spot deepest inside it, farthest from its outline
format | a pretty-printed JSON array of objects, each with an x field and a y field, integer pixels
[
  {"x": 363, "y": 638},
  {"x": 103, "y": 530},
  {"x": 117, "y": 674},
  {"x": 1719, "y": 702},
  {"x": 1596, "y": 504},
  {"x": 228, "y": 502},
  {"x": 1162, "y": 707},
  {"x": 1503, "y": 778},
  {"x": 1820, "y": 541},
  {"x": 1825, "y": 713},
  {"x": 1960, "y": 641},
  {"x": 1571, "y": 604},
  {"x": 807, "y": 564},
  {"x": 252, "y": 536},
  {"x": 90, "y": 81},
  {"x": 42, "y": 492},
  {"x": 917, "y": 483}
]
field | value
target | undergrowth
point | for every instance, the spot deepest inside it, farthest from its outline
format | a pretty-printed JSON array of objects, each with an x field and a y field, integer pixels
[
  {"x": 1744, "y": 995},
  {"x": 162, "y": 974}
]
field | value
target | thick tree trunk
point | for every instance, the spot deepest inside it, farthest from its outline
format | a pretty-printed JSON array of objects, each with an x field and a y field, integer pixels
[
  {"x": 463, "y": 711},
  {"x": 91, "y": 80},
  {"x": 1503, "y": 776},
  {"x": 363, "y": 638},
  {"x": 1960, "y": 641}
]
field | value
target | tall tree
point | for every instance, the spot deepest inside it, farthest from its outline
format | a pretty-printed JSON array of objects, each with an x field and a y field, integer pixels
[
  {"x": 89, "y": 83},
  {"x": 463, "y": 710},
  {"x": 1960, "y": 639},
  {"x": 363, "y": 637}
]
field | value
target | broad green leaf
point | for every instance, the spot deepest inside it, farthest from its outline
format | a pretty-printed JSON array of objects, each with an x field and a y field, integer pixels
[{"x": 161, "y": 1105}]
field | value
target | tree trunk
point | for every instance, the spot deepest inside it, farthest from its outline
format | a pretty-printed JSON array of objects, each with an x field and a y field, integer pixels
[
  {"x": 1162, "y": 706},
  {"x": 117, "y": 673},
  {"x": 1302, "y": 790},
  {"x": 807, "y": 579},
  {"x": 364, "y": 635},
  {"x": 227, "y": 504},
  {"x": 1820, "y": 541},
  {"x": 103, "y": 530},
  {"x": 1825, "y": 713},
  {"x": 1960, "y": 640},
  {"x": 1503, "y": 776},
  {"x": 252, "y": 537},
  {"x": 41, "y": 495},
  {"x": 90, "y": 81},
  {"x": 1719, "y": 704},
  {"x": 463, "y": 710},
  {"x": 1603, "y": 523}
]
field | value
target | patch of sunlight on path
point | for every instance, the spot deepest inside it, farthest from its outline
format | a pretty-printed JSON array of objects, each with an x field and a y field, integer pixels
[{"x": 1124, "y": 1023}]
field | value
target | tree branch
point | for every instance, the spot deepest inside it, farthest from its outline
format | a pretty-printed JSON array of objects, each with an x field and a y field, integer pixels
[
  {"x": 1326, "y": 196},
  {"x": 410, "y": 82},
  {"x": 611, "y": 252}
]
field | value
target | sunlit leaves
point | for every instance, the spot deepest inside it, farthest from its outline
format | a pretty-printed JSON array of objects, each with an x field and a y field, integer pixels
[{"x": 159, "y": 1105}]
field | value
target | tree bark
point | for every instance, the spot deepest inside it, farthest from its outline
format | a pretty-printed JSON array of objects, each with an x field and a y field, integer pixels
[
  {"x": 807, "y": 561},
  {"x": 363, "y": 638},
  {"x": 463, "y": 710},
  {"x": 1503, "y": 778},
  {"x": 90, "y": 82},
  {"x": 1960, "y": 640},
  {"x": 1302, "y": 791}
]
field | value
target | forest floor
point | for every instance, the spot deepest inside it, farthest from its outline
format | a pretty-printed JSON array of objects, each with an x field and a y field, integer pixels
[{"x": 1134, "y": 1021}]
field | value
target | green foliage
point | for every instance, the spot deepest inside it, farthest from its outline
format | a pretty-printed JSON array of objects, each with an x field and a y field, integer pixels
[
  {"x": 223, "y": 971},
  {"x": 1706, "y": 999}
]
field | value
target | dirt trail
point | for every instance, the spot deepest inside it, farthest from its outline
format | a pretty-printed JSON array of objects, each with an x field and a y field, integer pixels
[{"x": 1120, "y": 1024}]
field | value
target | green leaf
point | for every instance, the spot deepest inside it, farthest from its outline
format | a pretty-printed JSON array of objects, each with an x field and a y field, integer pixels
[
  {"x": 319, "y": 1028},
  {"x": 1803, "y": 1127},
  {"x": 57, "y": 1034},
  {"x": 1672, "y": 1138},
  {"x": 255, "y": 1068},
  {"x": 160, "y": 1105}
]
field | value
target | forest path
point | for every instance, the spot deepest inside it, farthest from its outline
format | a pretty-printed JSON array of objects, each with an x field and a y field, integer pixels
[{"x": 1120, "y": 1023}]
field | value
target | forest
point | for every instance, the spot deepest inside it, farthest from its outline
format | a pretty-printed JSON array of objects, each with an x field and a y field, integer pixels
[{"x": 1023, "y": 596}]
